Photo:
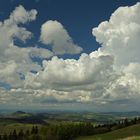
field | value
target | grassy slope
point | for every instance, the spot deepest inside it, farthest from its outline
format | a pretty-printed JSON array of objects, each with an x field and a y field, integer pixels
[
  {"x": 117, "y": 134},
  {"x": 132, "y": 138}
]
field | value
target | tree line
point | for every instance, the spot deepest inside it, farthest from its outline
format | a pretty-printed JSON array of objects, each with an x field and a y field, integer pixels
[{"x": 21, "y": 135}]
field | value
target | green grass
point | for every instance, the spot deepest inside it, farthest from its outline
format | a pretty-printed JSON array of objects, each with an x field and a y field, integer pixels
[
  {"x": 117, "y": 134},
  {"x": 132, "y": 138}
]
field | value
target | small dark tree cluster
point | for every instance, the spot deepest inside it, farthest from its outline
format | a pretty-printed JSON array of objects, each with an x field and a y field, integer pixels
[
  {"x": 27, "y": 135},
  {"x": 71, "y": 131}
]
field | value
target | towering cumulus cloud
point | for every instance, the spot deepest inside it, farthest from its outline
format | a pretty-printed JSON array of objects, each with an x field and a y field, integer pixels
[
  {"x": 120, "y": 35},
  {"x": 109, "y": 75},
  {"x": 53, "y": 32}
]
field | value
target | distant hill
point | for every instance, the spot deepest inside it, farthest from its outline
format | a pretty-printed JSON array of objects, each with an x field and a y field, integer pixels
[
  {"x": 132, "y": 132},
  {"x": 21, "y": 117},
  {"x": 19, "y": 114}
]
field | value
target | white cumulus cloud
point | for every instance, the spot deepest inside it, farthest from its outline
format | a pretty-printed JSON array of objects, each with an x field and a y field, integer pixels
[
  {"x": 108, "y": 76},
  {"x": 16, "y": 60},
  {"x": 53, "y": 33},
  {"x": 120, "y": 35}
]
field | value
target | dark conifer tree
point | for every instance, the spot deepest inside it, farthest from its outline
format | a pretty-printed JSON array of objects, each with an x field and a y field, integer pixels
[
  {"x": 36, "y": 130},
  {"x": 20, "y": 135},
  {"x": 33, "y": 130},
  {"x": 27, "y": 133},
  {"x": 126, "y": 123},
  {"x": 5, "y": 137},
  {"x": 14, "y": 135},
  {"x": 10, "y": 136}
]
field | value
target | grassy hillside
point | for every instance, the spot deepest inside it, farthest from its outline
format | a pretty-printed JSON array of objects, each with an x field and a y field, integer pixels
[
  {"x": 132, "y": 138},
  {"x": 117, "y": 134}
]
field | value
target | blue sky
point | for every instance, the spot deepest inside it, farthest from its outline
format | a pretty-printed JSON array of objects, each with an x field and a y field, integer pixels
[
  {"x": 77, "y": 16},
  {"x": 64, "y": 53}
]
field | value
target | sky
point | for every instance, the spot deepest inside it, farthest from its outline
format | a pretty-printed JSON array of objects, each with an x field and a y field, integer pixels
[{"x": 70, "y": 55}]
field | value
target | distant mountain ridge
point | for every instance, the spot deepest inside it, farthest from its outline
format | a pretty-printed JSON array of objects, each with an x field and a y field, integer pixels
[{"x": 19, "y": 112}]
